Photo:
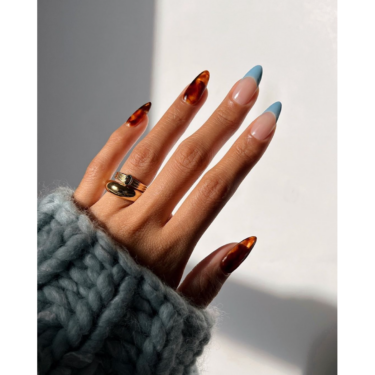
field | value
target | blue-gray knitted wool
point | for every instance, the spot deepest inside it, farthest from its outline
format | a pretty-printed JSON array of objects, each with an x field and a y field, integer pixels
[{"x": 101, "y": 313}]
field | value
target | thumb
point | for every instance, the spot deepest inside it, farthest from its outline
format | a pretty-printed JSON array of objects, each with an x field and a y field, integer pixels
[{"x": 205, "y": 280}]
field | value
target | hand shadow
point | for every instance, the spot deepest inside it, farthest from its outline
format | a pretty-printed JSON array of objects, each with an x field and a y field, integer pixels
[{"x": 299, "y": 330}]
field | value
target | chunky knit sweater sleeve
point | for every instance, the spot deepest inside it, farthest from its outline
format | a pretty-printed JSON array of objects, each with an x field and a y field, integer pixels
[{"x": 99, "y": 312}]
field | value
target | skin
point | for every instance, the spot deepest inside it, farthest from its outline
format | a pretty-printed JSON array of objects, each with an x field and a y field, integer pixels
[{"x": 146, "y": 227}]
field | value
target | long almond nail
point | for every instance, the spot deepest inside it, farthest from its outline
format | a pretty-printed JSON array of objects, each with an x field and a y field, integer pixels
[
  {"x": 237, "y": 254},
  {"x": 263, "y": 126},
  {"x": 138, "y": 115},
  {"x": 196, "y": 89},
  {"x": 246, "y": 87}
]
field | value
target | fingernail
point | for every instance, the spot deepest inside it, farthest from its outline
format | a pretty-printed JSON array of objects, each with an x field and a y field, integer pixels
[
  {"x": 246, "y": 87},
  {"x": 196, "y": 89},
  {"x": 275, "y": 108},
  {"x": 255, "y": 73},
  {"x": 237, "y": 254},
  {"x": 138, "y": 115},
  {"x": 263, "y": 126}
]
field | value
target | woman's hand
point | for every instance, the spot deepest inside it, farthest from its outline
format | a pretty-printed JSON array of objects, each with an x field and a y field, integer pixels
[{"x": 154, "y": 237}]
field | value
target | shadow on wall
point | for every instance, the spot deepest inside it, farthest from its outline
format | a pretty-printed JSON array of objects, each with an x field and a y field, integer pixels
[
  {"x": 300, "y": 331},
  {"x": 94, "y": 71}
]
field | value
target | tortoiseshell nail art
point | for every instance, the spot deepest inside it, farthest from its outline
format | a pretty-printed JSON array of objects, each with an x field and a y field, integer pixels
[
  {"x": 196, "y": 89},
  {"x": 138, "y": 115},
  {"x": 238, "y": 254}
]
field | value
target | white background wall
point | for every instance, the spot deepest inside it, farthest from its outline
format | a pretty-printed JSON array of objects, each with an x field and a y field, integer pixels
[
  {"x": 97, "y": 60},
  {"x": 279, "y": 307}
]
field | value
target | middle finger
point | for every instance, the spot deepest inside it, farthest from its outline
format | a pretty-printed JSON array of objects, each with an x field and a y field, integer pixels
[{"x": 195, "y": 153}]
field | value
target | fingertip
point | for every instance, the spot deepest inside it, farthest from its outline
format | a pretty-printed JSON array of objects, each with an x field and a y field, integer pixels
[
  {"x": 140, "y": 127},
  {"x": 207, "y": 279},
  {"x": 195, "y": 91},
  {"x": 275, "y": 108},
  {"x": 139, "y": 115},
  {"x": 146, "y": 107},
  {"x": 236, "y": 256}
]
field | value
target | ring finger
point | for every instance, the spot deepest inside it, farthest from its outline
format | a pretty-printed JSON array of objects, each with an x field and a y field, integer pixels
[{"x": 218, "y": 185}]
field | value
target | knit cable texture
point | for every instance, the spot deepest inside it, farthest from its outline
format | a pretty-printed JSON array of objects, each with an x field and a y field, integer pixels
[{"x": 99, "y": 312}]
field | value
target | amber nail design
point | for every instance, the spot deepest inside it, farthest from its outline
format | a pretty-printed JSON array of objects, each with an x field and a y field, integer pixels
[
  {"x": 196, "y": 89},
  {"x": 238, "y": 254},
  {"x": 138, "y": 115}
]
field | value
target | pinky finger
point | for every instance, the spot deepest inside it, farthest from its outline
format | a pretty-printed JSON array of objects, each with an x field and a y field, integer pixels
[
  {"x": 110, "y": 156},
  {"x": 204, "y": 282}
]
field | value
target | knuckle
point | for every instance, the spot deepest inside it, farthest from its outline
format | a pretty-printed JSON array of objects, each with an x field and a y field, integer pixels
[
  {"x": 96, "y": 168},
  {"x": 140, "y": 222},
  {"x": 116, "y": 138},
  {"x": 144, "y": 157},
  {"x": 215, "y": 188},
  {"x": 190, "y": 156},
  {"x": 225, "y": 116},
  {"x": 133, "y": 231},
  {"x": 175, "y": 116},
  {"x": 137, "y": 228},
  {"x": 244, "y": 150}
]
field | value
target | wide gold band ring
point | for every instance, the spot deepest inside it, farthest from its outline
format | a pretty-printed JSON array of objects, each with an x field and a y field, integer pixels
[
  {"x": 122, "y": 191},
  {"x": 128, "y": 180}
]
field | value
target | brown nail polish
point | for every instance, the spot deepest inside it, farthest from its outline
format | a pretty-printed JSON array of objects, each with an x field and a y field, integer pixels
[
  {"x": 138, "y": 115},
  {"x": 196, "y": 89},
  {"x": 238, "y": 254}
]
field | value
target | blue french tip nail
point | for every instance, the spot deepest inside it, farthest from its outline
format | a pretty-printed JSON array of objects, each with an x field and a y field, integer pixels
[
  {"x": 256, "y": 73},
  {"x": 275, "y": 108}
]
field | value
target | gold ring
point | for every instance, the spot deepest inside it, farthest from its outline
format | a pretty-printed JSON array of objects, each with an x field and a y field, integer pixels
[
  {"x": 122, "y": 191},
  {"x": 129, "y": 180}
]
